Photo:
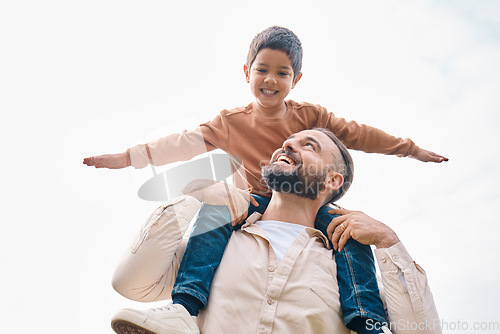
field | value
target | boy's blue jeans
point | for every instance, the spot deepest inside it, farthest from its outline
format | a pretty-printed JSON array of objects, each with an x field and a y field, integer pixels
[{"x": 359, "y": 293}]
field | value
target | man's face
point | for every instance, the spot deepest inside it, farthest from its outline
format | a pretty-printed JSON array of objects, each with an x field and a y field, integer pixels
[{"x": 302, "y": 164}]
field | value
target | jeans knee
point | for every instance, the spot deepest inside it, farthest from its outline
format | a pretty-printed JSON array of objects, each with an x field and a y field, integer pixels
[{"x": 211, "y": 217}]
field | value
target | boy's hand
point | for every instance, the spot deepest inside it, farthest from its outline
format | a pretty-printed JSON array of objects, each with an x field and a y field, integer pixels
[
  {"x": 111, "y": 161},
  {"x": 219, "y": 193},
  {"x": 360, "y": 227},
  {"x": 428, "y": 156}
]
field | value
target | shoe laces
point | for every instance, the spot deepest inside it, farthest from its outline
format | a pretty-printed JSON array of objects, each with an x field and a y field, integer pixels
[{"x": 167, "y": 307}]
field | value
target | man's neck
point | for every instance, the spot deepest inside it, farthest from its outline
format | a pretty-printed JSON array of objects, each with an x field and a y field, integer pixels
[{"x": 292, "y": 209}]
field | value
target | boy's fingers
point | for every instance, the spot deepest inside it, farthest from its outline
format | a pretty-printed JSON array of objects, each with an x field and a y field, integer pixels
[
  {"x": 437, "y": 157},
  {"x": 440, "y": 159},
  {"x": 232, "y": 208},
  {"x": 246, "y": 195},
  {"x": 239, "y": 219},
  {"x": 253, "y": 201},
  {"x": 97, "y": 162},
  {"x": 88, "y": 161},
  {"x": 429, "y": 156},
  {"x": 236, "y": 221}
]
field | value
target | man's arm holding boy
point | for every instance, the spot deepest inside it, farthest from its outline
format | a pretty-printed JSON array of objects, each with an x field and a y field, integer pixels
[{"x": 409, "y": 302}]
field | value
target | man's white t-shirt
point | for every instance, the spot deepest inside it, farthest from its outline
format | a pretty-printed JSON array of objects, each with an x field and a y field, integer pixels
[{"x": 280, "y": 234}]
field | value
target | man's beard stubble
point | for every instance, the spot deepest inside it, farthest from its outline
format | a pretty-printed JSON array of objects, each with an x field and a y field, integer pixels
[{"x": 294, "y": 182}]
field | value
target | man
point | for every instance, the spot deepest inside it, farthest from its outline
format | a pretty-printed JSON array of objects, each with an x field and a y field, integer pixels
[{"x": 277, "y": 273}]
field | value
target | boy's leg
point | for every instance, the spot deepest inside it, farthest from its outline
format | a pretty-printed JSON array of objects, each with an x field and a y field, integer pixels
[
  {"x": 359, "y": 293},
  {"x": 203, "y": 254}
]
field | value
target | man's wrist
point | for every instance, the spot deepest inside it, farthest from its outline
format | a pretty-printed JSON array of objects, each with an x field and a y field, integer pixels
[{"x": 387, "y": 241}]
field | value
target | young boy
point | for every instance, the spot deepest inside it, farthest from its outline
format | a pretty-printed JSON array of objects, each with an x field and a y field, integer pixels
[{"x": 252, "y": 133}]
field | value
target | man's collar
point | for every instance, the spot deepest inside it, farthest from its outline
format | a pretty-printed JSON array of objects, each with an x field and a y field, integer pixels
[{"x": 312, "y": 232}]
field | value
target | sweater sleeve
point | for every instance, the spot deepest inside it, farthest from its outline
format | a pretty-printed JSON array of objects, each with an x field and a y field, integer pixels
[
  {"x": 181, "y": 146},
  {"x": 366, "y": 138}
]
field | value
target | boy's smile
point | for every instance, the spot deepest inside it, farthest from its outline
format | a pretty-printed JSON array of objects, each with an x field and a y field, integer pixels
[{"x": 271, "y": 78}]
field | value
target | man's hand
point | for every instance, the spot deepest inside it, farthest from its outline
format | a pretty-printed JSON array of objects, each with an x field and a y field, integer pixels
[
  {"x": 111, "y": 161},
  {"x": 428, "y": 156},
  {"x": 219, "y": 193},
  {"x": 360, "y": 227}
]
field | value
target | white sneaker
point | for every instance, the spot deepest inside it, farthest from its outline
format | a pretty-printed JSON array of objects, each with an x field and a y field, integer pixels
[{"x": 169, "y": 319}]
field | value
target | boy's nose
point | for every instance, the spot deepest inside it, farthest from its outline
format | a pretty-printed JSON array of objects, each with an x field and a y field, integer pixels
[{"x": 270, "y": 79}]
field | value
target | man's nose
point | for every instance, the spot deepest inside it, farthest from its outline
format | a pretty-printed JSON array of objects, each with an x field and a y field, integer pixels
[{"x": 290, "y": 145}]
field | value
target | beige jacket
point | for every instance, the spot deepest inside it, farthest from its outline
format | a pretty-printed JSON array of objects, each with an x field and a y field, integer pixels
[{"x": 251, "y": 294}]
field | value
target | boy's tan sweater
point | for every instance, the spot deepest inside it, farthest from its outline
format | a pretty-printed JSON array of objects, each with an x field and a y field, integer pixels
[{"x": 252, "y": 137}]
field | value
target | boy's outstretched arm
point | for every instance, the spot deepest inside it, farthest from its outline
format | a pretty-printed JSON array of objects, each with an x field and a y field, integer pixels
[
  {"x": 369, "y": 139},
  {"x": 181, "y": 146},
  {"x": 111, "y": 161},
  {"x": 427, "y": 156}
]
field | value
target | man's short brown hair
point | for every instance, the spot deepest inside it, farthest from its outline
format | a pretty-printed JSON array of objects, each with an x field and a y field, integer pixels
[{"x": 344, "y": 165}]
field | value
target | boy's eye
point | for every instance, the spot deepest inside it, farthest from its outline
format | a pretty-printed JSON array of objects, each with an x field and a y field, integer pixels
[
  {"x": 283, "y": 74},
  {"x": 261, "y": 70}
]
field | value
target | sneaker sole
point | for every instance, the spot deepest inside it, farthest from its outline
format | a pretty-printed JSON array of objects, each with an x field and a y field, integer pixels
[{"x": 125, "y": 327}]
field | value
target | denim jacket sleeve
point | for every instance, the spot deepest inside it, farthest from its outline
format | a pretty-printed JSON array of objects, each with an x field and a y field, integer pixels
[
  {"x": 408, "y": 298},
  {"x": 149, "y": 267}
]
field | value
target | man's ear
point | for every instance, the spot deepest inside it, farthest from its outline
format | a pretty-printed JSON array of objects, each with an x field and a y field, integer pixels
[
  {"x": 247, "y": 72},
  {"x": 334, "y": 181},
  {"x": 297, "y": 78}
]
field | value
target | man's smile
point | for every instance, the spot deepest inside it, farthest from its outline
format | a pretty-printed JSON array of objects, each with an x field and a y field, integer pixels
[{"x": 285, "y": 159}]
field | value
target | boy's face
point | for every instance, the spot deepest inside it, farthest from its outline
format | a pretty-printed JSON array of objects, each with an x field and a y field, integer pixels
[{"x": 271, "y": 78}]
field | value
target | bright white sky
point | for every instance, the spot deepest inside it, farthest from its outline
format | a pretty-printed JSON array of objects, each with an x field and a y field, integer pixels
[{"x": 93, "y": 77}]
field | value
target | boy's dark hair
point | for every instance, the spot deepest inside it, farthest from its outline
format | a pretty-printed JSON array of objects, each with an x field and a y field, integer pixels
[
  {"x": 344, "y": 166},
  {"x": 277, "y": 38}
]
